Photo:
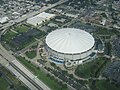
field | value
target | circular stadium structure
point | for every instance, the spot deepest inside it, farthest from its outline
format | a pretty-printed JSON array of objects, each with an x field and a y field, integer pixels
[{"x": 69, "y": 44}]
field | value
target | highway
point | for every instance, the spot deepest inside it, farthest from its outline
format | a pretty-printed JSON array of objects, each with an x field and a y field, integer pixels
[
  {"x": 21, "y": 78},
  {"x": 26, "y": 76}
]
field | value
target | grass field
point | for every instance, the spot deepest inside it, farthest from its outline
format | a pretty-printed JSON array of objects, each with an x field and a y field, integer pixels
[
  {"x": 41, "y": 75},
  {"x": 21, "y": 28},
  {"x": 8, "y": 36},
  {"x": 31, "y": 54},
  {"x": 88, "y": 70}
]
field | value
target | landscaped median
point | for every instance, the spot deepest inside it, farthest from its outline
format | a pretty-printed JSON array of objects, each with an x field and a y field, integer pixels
[{"x": 50, "y": 82}]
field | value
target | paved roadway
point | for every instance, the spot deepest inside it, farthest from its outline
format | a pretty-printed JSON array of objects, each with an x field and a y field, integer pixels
[
  {"x": 30, "y": 79},
  {"x": 21, "y": 77},
  {"x": 28, "y": 15}
]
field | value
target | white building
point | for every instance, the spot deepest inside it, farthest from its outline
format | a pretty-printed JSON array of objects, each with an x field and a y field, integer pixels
[
  {"x": 4, "y": 20},
  {"x": 40, "y": 18},
  {"x": 69, "y": 45}
]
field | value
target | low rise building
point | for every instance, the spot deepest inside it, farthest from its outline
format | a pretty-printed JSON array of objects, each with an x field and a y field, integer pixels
[{"x": 40, "y": 18}]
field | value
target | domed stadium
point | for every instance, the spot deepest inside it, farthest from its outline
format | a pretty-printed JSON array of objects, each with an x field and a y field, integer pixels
[{"x": 69, "y": 44}]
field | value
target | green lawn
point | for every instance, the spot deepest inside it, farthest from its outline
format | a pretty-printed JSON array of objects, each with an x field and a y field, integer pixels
[
  {"x": 88, "y": 69},
  {"x": 31, "y": 54},
  {"x": 3, "y": 84},
  {"x": 21, "y": 28},
  {"x": 41, "y": 75},
  {"x": 8, "y": 36},
  {"x": 106, "y": 85}
]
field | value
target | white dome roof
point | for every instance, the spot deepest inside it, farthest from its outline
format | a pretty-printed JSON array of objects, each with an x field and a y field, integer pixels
[{"x": 70, "y": 40}]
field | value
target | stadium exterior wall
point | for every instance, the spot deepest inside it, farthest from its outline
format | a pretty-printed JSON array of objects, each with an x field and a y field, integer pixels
[{"x": 67, "y": 56}]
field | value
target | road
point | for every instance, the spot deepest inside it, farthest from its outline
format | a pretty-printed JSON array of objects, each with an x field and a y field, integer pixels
[{"x": 28, "y": 15}]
